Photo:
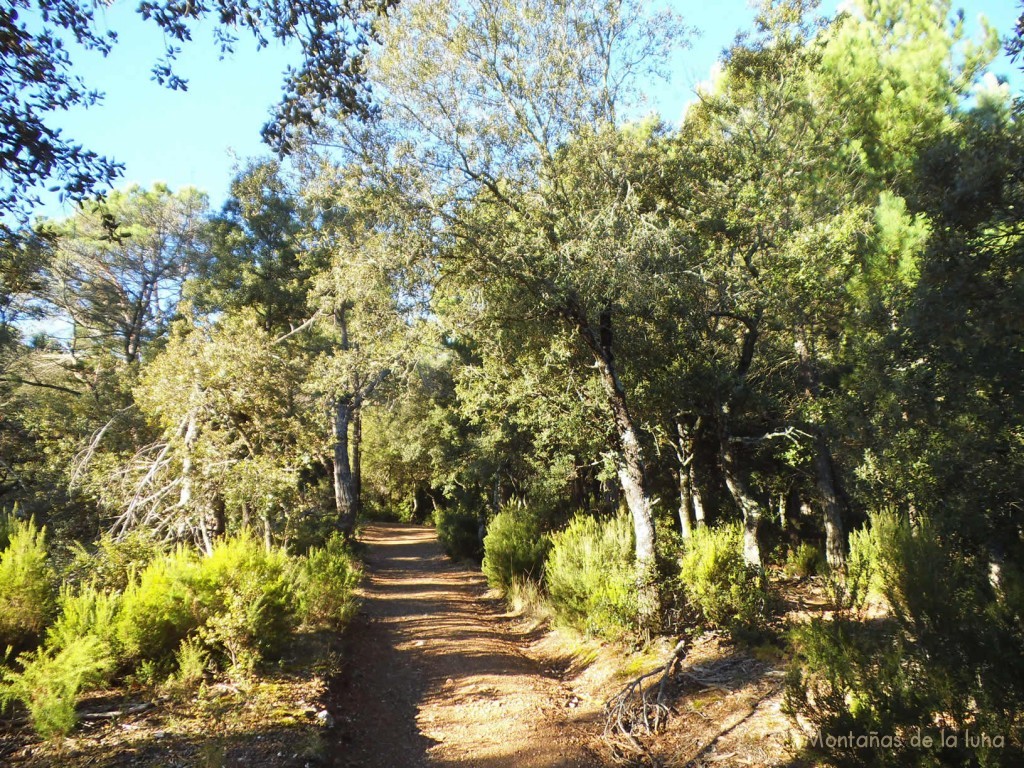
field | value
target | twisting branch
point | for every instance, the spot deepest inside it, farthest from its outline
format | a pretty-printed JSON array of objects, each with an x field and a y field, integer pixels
[{"x": 637, "y": 709}]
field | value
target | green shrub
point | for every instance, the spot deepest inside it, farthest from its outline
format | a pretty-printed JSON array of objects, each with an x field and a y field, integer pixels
[
  {"x": 591, "y": 577},
  {"x": 26, "y": 585},
  {"x": 159, "y": 607},
  {"x": 947, "y": 652},
  {"x": 514, "y": 547},
  {"x": 246, "y": 600},
  {"x": 110, "y": 562},
  {"x": 806, "y": 560},
  {"x": 458, "y": 530},
  {"x": 720, "y": 586},
  {"x": 327, "y": 578},
  {"x": 84, "y": 612},
  {"x": 50, "y": 683}
]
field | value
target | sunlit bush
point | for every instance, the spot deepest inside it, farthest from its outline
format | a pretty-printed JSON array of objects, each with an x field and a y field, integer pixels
[
  {"x": 26, "y": 584},
  {"x": 84, "y": 612},
  {"x": 327, "y": 578},
  {"x": 159, "y": 607},
  {"x": 720, "y": 586},
  {"x": 50, "y": 682},
  {"x": 515, "y": 547},
  {"x": 591, "y": 577},
  {"x": 945, "y": 652}
]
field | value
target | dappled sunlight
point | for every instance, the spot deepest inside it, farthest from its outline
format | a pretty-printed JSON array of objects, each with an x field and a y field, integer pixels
[{"x": 437, "y": 668}]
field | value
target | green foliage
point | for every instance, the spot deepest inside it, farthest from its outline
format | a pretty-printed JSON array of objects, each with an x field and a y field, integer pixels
[
  {"x": 591, "y": 577},
  {"x": 458, "y": 530},
  {"x": 84, "y": 612},
  {"x": 159, "y": 607},
  {"x": 806, "y": 560},
  {"x": 110, "y": 562},
  {"x": 947, "y": 651},
  {"x": 727, "y": 593},
  {"x": 26, "y": 584},
  {"x": 515, "y": 547},
  {"x": 239, "y": 600},
  {"x": 50, "y": 682},
  {"x": 327, "y": 577},
  {"x": 245, "y": 600}
]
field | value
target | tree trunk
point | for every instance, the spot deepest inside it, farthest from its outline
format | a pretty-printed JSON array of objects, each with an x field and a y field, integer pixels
[
  {"x": 835, "y": 534},
  {"x": 631, "y": 468},
  {"x": 344, "y": 486},
  {"x": 684, "y": 455},
  {"x": 753, "y": 515},
  {"x": 685, "y": 503},
  {"x": 695, "y": 498},
  {"x": 357, "y": 460}
]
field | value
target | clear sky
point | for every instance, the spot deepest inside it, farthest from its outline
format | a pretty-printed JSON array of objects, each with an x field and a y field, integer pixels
[{"x": 196, "y": 137}]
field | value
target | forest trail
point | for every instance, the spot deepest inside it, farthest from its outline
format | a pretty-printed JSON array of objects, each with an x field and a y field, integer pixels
[{"x": 437, "y": 676}]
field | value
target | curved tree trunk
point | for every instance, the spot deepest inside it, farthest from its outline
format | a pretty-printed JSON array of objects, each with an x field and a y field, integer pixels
[
  {"x": 631, "y": 468},
  {"x": 753, "y": 514}
]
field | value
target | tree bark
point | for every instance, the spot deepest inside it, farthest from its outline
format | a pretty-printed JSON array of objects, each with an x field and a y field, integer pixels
[
  {"x": 344, "y": 485},
  {"x": 357, "y": 459},
  {"x": 753, "y": 515},
  {"x": 684, "y": 455},
  {"x": 631, "y": 467},
  {"x": 835, "y": 533}
]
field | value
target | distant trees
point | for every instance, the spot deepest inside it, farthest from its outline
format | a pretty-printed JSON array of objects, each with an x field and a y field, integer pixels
[{"x": 37, "y": 80}]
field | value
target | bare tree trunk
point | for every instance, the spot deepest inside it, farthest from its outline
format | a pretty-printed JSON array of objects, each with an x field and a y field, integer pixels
[
  {"x": 835, "y": 534},
  {"x": 824, "y": 470},
  {"x": 344, "y": 487},
  {"x": 630, "y": 470},
  {"x": 684, "y": 455},
  {"x": 357, "y": 459},
  {"x": 698, "y": 502},
  {"x": 753, "y": 515}
]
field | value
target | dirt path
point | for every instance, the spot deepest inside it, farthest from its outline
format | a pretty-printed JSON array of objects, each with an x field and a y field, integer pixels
[{"x": 437, "y": 676}]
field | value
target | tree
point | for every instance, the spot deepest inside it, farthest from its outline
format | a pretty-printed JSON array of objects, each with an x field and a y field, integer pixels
[
  {"x": 37, "y": 79},
  {"x": 119, "y": 264},
  {"x": 256, "y": 255},
  {"x": 366, "y": 300},
  {"x": 502, "y": 121}
]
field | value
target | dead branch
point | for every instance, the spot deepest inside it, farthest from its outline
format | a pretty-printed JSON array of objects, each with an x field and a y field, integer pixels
[
  {"x": 640, "y": 709},
  {"x": 133, "y": 710}
]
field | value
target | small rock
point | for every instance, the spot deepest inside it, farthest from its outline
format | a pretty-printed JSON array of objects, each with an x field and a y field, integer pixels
[{"x": 325, "y": 719}]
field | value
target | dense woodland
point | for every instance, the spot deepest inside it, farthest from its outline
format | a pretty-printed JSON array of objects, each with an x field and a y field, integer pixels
[{"x": 644, "y": 370}]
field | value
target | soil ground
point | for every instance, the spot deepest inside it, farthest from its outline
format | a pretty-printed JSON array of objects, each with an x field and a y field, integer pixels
[{"x": 439, "y": 676}]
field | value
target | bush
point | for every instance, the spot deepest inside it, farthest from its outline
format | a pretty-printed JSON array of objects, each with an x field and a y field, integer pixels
[
  {"x": 591, "y": 577},
  {"x": 720, "y": 586},
  {"x": 246, "y": 600},
  {"x": 327, "y": 578},
  {"x": 458, "y": 530},
  {"x": 50, "y": 683},
  {"x": 159, "y": 607},
  {"x": 85, "y": 612},
  {"x": 947, "y": 652},
  {"x": 806, "y": 560},
  {"x": 515, "y": 547},
  {"x": 239, "y": 600},
  {"x": 26, "y": 585},
  {"x": 110, "y": 563}
]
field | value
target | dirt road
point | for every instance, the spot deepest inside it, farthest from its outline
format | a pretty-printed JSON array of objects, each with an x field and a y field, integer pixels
[{"x": 437, "y": 676}]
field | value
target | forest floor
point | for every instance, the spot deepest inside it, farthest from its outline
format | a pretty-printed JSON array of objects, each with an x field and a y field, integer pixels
[{"x": 433, "y": 672}]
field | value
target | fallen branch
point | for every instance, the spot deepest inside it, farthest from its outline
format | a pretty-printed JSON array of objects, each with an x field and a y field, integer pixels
[
  {"x": 637, "y": 709},
  {"x": 133, "y": 710}
]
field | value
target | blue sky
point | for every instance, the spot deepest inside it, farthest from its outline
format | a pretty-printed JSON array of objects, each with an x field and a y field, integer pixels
[{"x": 197, "y": 137}]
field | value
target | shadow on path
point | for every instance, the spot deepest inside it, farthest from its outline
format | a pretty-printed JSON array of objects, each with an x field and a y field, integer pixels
[{"x": 433, "y": 676}]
